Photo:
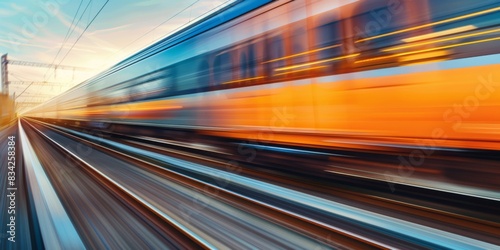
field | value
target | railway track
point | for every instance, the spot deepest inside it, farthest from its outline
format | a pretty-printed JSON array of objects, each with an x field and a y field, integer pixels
[
  {"x": 208, "y": 231},
  {"x": 315, "y": 217},
  {"x": 444, "y": 210}
]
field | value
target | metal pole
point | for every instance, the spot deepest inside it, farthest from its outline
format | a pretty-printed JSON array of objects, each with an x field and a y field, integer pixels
[{"x": 5, "y": 74}]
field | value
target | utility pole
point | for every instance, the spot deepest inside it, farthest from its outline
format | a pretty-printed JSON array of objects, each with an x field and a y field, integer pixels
[{"x": 5, "y": 74}]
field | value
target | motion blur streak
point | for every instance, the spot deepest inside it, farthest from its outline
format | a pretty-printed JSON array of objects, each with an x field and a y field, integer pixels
[
  {"x": 433, "y": 49},
  {"x": 440, "y": 33},
  {"x": 406, "y": 229},
  {"x": 283, "y": 124},
  {"x": 57, "y": 229},
  {"x": 158, "y": 199},
  {"x": 434, "y": 24},
  {"x": 444, "y": 39}
]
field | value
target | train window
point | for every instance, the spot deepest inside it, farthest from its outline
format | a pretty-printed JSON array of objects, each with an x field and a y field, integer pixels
[
  {"x": 471, "y": 35},
  {"x": 328, "y": 39},
  {"x": 275, "y": 53},
  {"x": 244, "y": 67},
  {"x": 222, "y": 68},
  {"x": 299, "y": 45},
  {"x": 443, "y": 9},
  {"x": 169, "y": 82},
  {"x": 252, "y": 60},
  {"x": 147, "y": 90},
  {"x": 203, "y": 74},
  {"x": 377, "y": 26},
  {"x": 483, "y": 18},
  {"x": 247, "y": 62},
  {"x": 187, "y": 77},
  {"x": 375, "y": 21}
]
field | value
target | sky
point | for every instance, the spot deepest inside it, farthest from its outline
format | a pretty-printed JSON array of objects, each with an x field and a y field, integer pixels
[{"x": 53, "y": 32}]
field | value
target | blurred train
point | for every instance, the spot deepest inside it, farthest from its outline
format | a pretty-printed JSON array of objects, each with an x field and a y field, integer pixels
[
  {"x": 358, "y": 74},
  {"x": 7, "y": 110}
]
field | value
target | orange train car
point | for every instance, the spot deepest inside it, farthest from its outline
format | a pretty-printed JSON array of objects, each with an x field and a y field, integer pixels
[{"x": 366, "y": 74}]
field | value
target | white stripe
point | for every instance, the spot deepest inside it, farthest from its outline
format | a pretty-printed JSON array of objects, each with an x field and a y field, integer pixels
[{"x": 56, "y": 227}]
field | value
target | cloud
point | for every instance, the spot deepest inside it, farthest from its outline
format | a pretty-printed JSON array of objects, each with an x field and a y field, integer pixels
[
  {"x": 6, "y": 13},
  {"x": 17, "y": 8},
  {"x": 23, "y": 44},
  {"x": 101, "y": 44},
  {"x": 95, "y": 32},
  {"x": 12, "y": 9}
]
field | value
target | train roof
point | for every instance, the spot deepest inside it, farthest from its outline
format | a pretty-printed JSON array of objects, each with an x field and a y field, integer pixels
[{"x": 223, "y": 15}]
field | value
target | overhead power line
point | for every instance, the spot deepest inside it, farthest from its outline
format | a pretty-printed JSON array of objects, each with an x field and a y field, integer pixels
[
  {"x": 45, "y": 65},
  {"x": 68, "y": 33},
  {"x": 35, "y": 83},
  {"x": 83, "y": 32},
  {"x": 78, "y": 39}
]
